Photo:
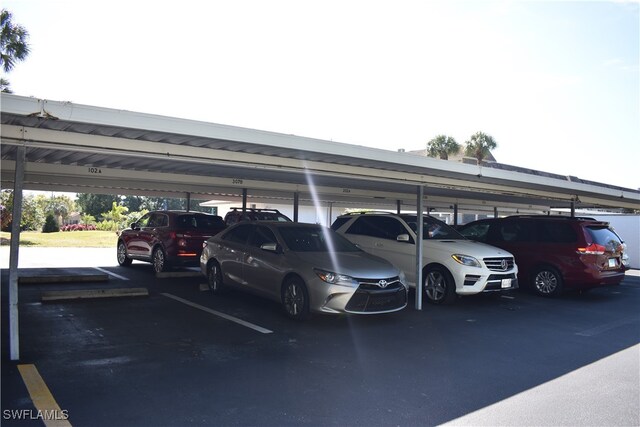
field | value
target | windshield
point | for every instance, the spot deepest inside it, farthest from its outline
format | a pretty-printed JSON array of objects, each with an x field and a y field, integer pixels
[
  {"x": 315, "y": 239},
  {"x": 433, "y": 228}
]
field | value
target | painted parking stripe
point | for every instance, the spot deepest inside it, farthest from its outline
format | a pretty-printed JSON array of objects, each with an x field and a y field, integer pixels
[
  {"x": 219, "y": 314},
  {"x": 117, "y": 276},
  {"x": 48, "y": 410},
  {"x": 607, "y": 327}
]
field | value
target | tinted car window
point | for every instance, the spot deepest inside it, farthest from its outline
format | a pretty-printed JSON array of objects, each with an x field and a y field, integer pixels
[
  {"x": 555, "y": 232},
  {"x": 604, "y": 236},
  {"x": 240, "y": 234},
  {"x": 339, "y": 222},
  {"x": 200, "y": 222},
  {"x": 385, "y": 227},
  {"x": 432, "y": 228},
  {"x": 514, "y": 231},
  {"x": 476, "y": 231},
  {"x": 158, "y": 220},
  {"x": 142, "y": 222},
  {"x": 315, "y": 239},
  {"x": 262, "y": 235}
]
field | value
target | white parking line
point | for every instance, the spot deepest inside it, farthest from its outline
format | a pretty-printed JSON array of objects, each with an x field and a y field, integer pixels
[
  {"x": 117, "y": 276},
  {"x": 607, "y": 326},
  {"x": 219, "y": 314}
]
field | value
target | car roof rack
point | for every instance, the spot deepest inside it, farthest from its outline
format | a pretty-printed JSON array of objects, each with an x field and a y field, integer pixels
[
  {"x": 256, "y": 210},
  {"x": 368, "y": 212},
  {"x": 580, "y": 218}
]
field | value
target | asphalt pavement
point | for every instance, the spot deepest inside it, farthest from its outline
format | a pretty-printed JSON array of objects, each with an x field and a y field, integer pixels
[{"x": 181, "y": 356}]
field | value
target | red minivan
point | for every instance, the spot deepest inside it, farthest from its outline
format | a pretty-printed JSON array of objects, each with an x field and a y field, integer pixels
[
  {"x": 168, "y": 238},
  {"x": 555, "y": 252}
]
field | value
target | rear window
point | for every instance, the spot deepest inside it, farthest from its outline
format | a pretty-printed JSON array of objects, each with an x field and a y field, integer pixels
[
  {"x": 604, "y": 236},
  {"x": 269, "y": 216},
  {"x": 200, "y": 222}
]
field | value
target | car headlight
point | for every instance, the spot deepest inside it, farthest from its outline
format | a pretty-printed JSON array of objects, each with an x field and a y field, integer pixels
[
  {"x": 402, "y": 277},
  {"x": 335, "y": 278},
  {"x": 466, "y": 260}
]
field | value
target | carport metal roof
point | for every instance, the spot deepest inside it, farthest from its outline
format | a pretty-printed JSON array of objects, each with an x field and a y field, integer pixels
[
  {"x": 49, "y": 145},
  {"x": 80, "y": 148}
]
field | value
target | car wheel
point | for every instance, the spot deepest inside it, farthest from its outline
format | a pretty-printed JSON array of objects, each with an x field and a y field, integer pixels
[
  {"x": 214, "y": 278},
  {"x": 547, "y": 281},
  {"x": 123, "y": 259},
  {"x": 439, "y": 287},
  {"x": 159, "y": 260},
  {"x": 295, "y": 299}
]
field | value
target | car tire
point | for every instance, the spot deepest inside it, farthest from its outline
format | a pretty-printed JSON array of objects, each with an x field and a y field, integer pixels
[
  {"x": 214, "y": 278},
  {"x": 123, "y": 259},
  {"x": 159, "y": 260},
  {"x": 546, "y": 281},
  {"x": 439, "y": 287},
  {"x": 295, "y": 299}
]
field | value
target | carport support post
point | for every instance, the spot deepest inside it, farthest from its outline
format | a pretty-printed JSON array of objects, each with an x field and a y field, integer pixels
[
  {"x": 296, "y": 205},
  {"x": 244, "y": 200},
  {"x": 419, "y": 234},
  {"x": 398, "y": 206},
  {"x": 14, "y": 331},
  {"x": 188, "y": 202},
  {"x": 573, "y": 208},
  {"x": 495, "y": 212},
  {"x": 455, "y": 214}
]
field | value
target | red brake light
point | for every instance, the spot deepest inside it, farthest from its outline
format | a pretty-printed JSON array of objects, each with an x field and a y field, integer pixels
[{"x": 592, "y": 249}]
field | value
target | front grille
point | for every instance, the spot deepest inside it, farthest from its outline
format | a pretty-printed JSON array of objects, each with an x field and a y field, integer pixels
[
  {"x": 499, "y": 264},
  {"x": 377, "y": 284},
  {"x": 368, "y": 299}
]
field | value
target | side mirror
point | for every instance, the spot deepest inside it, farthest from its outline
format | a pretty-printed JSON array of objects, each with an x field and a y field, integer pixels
[
  {"x": 270, "y": 247},
  {"x": 134, "y": 226},
  {"x": 403, "y": 238}
]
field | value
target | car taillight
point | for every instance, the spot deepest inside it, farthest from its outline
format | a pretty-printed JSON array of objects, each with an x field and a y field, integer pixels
[
  {"x": 592, "y": 249},
  {"x": 180, "y": 238}
]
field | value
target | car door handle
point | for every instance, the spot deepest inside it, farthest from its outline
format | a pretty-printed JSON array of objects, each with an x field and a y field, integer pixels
[{"x": 378, "y": 244}]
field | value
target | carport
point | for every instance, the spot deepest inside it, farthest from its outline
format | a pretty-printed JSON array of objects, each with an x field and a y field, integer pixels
[{"x": 61, "y": 146}]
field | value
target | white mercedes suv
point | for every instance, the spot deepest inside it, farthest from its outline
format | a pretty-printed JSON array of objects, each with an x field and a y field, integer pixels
[{"x": 453, "y": 265}]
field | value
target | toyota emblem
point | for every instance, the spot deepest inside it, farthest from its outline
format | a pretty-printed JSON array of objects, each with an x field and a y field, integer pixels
[{"x": 382, "y": 283}]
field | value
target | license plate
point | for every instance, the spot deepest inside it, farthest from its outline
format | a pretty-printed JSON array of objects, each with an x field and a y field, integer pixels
[
  {"x": 612, "y": 262},
  {"x": 506, "y": 283}
]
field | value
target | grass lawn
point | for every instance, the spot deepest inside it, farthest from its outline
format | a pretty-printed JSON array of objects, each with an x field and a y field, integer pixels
[{"x": 78, "y": 239}]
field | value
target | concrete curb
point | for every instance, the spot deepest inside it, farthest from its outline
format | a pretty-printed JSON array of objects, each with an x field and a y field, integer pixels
[{"x": 93, "y": 294}]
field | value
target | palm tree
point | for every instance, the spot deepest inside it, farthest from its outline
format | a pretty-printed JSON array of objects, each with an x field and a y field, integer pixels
[
  {"x": 13, "y": 45},
  {"x": 480, "y": 146},
  {"x": 441, "y": 146}
]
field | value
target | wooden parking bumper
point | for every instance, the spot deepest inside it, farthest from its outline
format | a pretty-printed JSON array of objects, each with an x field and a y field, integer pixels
[{"x": 71, "y": 295}]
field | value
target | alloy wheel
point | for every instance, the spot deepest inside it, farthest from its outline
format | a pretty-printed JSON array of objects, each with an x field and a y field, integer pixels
[
  {"x": 546, "y": 282},
  {"x": 158, "y": 260}
]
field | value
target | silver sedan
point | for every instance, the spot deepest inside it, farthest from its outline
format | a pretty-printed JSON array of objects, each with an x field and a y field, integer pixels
[{"x": 306, "y": 267}]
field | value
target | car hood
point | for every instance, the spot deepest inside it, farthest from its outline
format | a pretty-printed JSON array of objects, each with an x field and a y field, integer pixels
[
  {"x": 355, "y": 264},
  {"x": 466, "y": 247}
]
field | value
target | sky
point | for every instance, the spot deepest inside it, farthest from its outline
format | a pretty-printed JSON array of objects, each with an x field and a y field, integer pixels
[{"x": 556, "y": 84}]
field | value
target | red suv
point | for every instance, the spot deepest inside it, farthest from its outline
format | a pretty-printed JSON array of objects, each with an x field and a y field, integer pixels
[
  {"x": 554, "y": 253},
  {"x": 167, "y": 238}
]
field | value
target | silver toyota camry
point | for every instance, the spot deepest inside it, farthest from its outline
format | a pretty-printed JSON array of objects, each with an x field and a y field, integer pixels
[{"x": 306, "y": 267}]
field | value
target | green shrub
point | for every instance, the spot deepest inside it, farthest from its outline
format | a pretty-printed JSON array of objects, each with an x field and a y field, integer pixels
[{"x": 50, "y": 225}]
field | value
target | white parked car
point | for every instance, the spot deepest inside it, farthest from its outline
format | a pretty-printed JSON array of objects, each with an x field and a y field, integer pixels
[{"x": 453, "y": 265}]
